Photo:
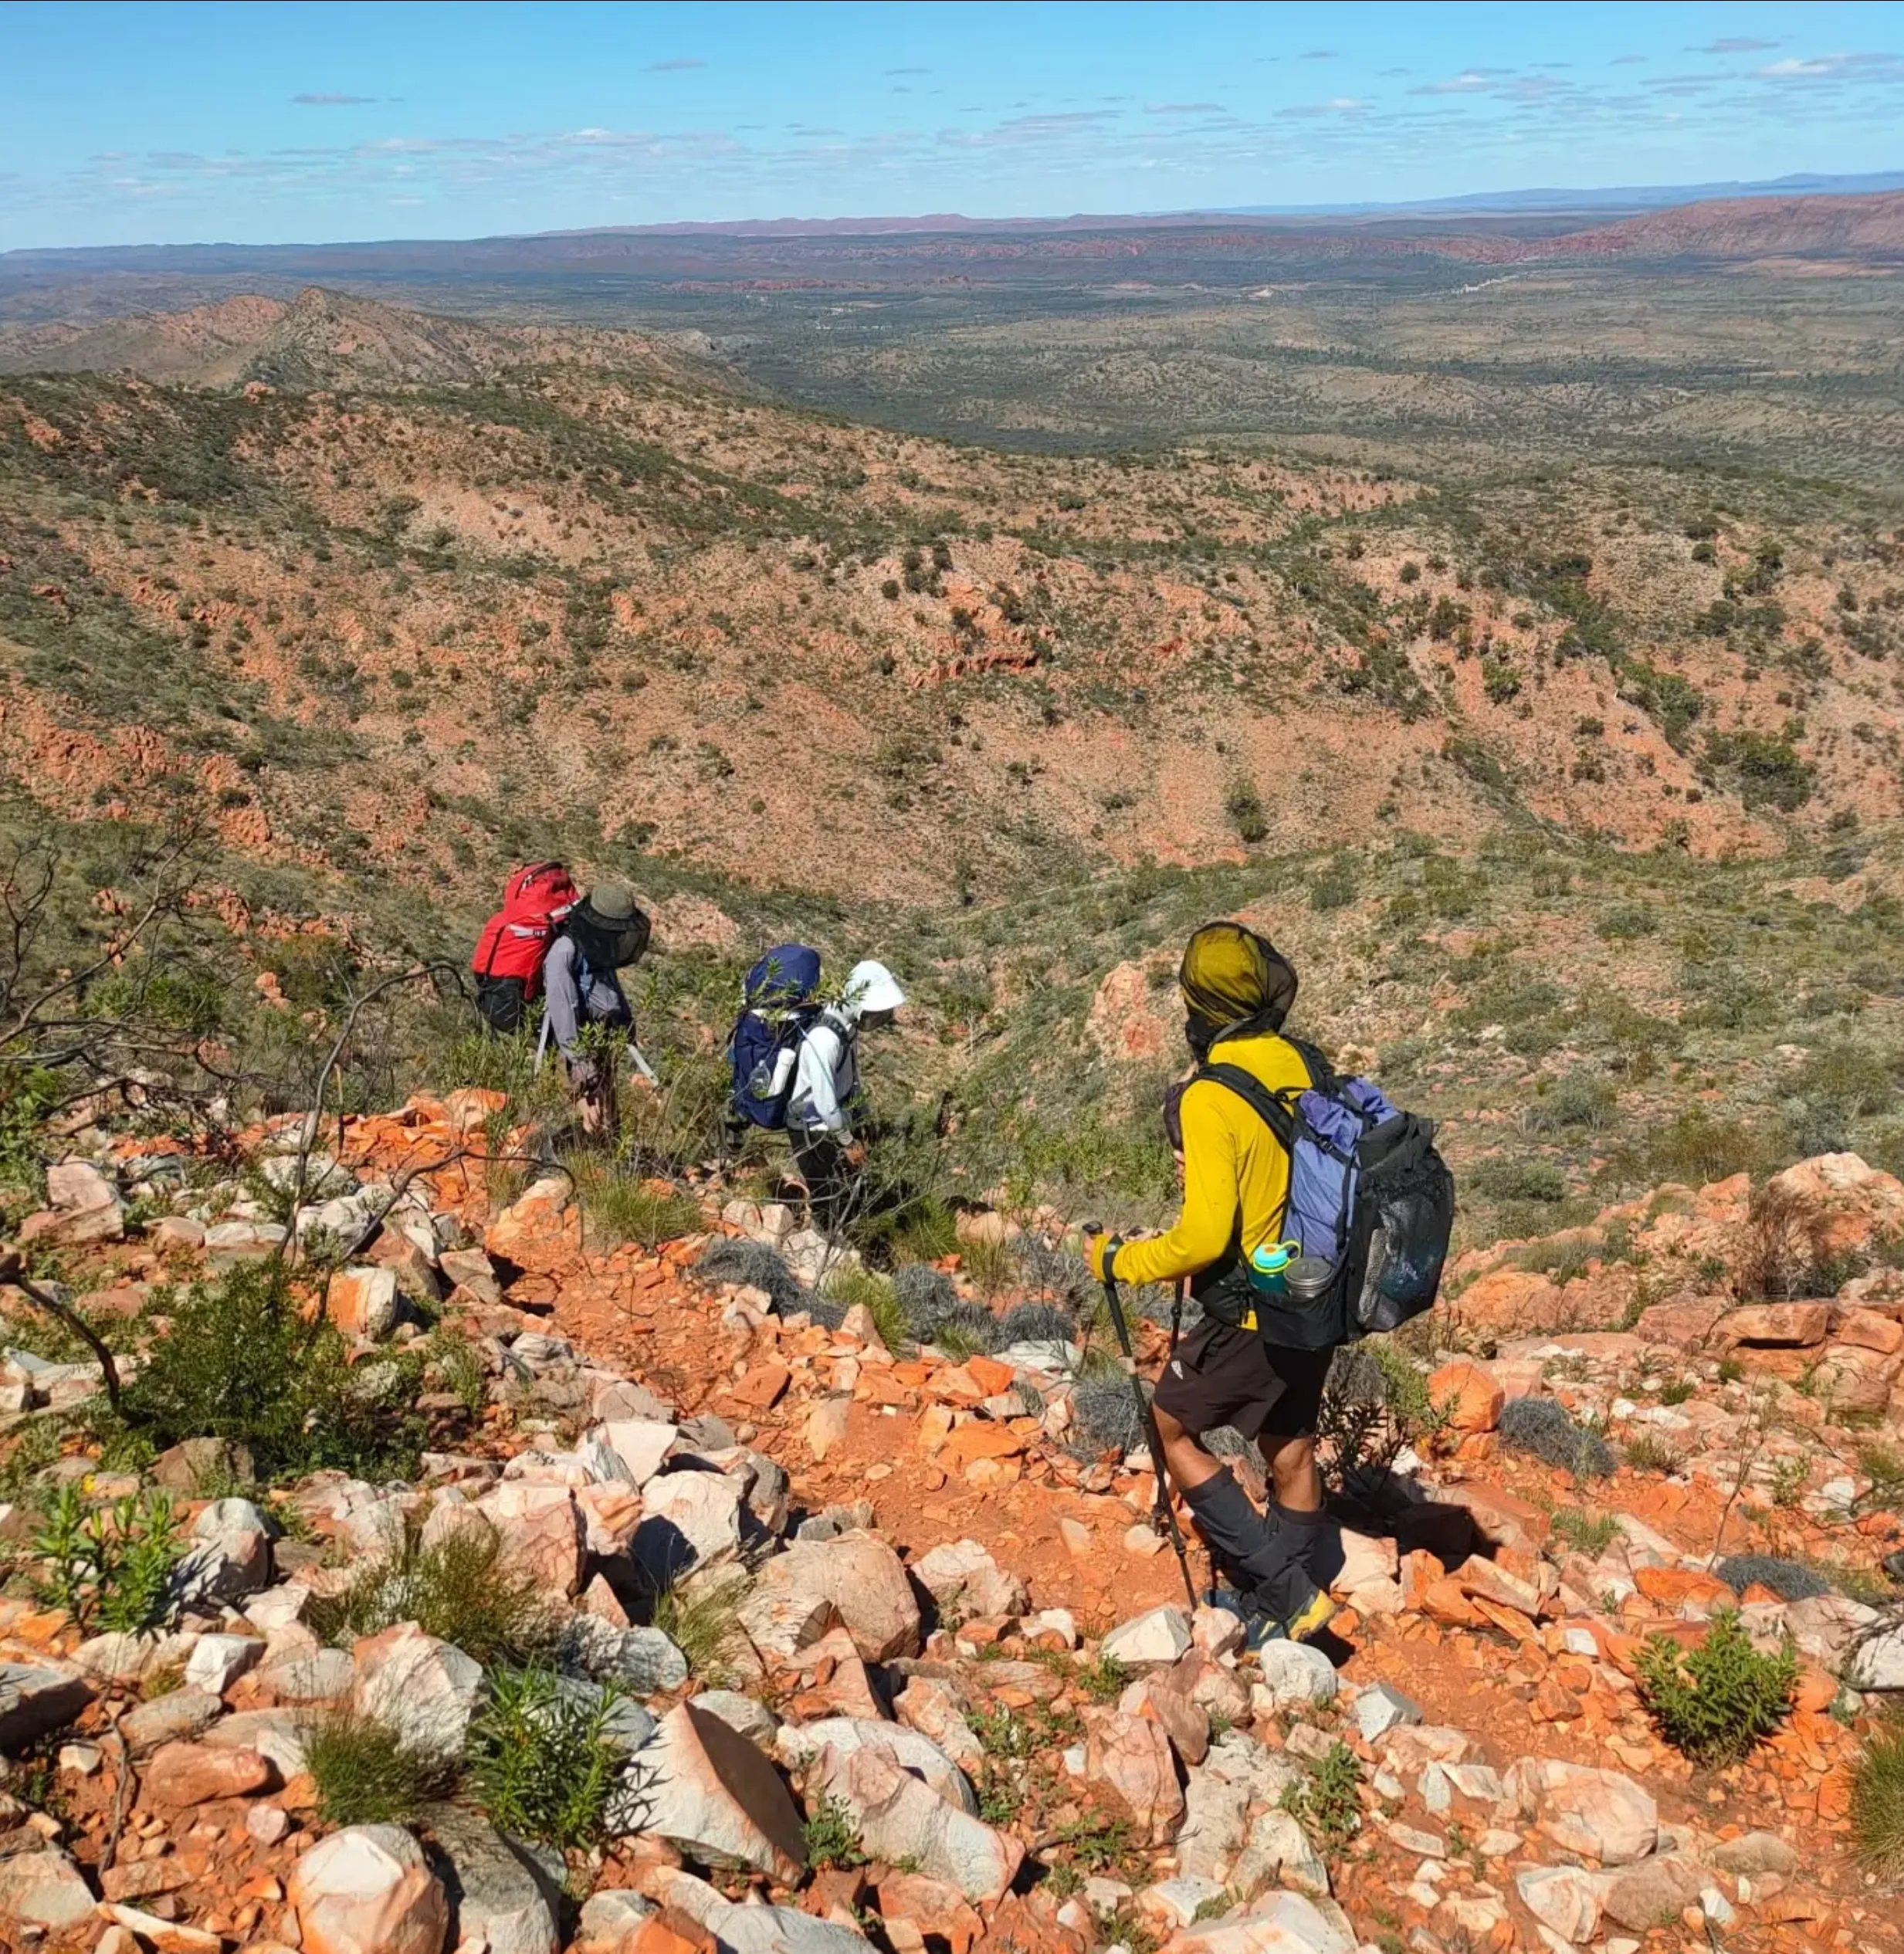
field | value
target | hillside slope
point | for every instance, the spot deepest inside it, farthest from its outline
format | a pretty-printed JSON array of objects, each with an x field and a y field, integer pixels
[{"x": 389, "y": 621}]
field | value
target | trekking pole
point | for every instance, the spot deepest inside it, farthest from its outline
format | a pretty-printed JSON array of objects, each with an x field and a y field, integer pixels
[{"x": 1152, "y": 1437}]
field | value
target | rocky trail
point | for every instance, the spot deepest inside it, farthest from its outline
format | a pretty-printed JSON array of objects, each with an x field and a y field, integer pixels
[{"x": 947, "y": 1692}]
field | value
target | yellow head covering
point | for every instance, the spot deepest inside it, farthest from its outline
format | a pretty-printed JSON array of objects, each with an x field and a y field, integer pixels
[{"x": 1229, "y": 974}]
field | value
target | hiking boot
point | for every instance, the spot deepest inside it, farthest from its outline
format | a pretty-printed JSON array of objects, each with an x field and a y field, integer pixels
[{"x": 1311, "y": 1613}]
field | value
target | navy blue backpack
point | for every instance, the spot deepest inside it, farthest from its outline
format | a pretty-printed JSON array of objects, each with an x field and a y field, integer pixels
[{"x": 777, "y": 1006}]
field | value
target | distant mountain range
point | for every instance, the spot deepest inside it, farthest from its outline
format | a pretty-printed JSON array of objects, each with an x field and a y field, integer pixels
[
  {"x": 1813, "y": 216},
  {"x": 1627, "y": 197}
]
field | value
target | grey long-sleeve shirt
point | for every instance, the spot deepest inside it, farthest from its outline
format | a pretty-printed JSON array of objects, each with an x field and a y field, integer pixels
[{"x": 568, "y": 1009}]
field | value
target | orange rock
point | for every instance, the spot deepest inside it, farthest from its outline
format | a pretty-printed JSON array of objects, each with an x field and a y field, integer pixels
[
  {"x": 1470, "y": 1396},
  {"x": 760, "y": 1389},
  {"x": 1816, "y": 1691},
  {"x": 979, "y": 1439},
  {"x": 1673, "y": 1587},
  {"x": 990, "y": 1375},
  {"x": 1870, "y": 1331}
]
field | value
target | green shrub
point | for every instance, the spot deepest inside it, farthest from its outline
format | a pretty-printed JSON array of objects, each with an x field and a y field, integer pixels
[
  {"x": 854, "y": 1285},
  {"x": 239, "y": 1362},
  {"x": 462, "y": 1588},
  {"x": 1328, "y": 1803},
  {"x": 1587, "y": 1533},
  {"x": 365, "y": 1776},
  {"x": 1878, "y": 1799},
  {"x": 110, "y": 1567},
  {"x": 1716, "y": 1701},
  {"x": 1244, "y": 806},
  {"x": 832, "y": 1839},
  {"x": 1580, "y": 1099},
  {"x": 1626, "y": 921},
  {"x": 1333, "y": 888},
  {"x": 1505, "y": 1180},
  {"x": 543, "y": 1759}
]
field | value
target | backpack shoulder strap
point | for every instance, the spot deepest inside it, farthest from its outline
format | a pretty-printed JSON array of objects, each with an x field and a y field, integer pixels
[{"x": 1272, "y": 1109}]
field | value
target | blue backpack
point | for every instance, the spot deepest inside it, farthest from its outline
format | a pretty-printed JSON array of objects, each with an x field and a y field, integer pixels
[
  {"x": 777, "y": 1006},
  {"x": 1369, "y": 1194}
]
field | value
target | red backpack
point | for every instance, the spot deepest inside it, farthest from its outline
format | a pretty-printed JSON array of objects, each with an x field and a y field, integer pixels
[{"x": 509, "y": 952}]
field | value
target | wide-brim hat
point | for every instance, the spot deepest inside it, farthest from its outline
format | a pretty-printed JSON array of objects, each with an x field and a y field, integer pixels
[{"x": 871, "y": 986}]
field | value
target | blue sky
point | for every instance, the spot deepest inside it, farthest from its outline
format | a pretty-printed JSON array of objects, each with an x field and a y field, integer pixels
[{"x": 260, "y": 123}]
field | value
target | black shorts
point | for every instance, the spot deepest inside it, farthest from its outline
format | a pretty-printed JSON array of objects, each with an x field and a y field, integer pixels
[{"x": 1221, "y": 1376}]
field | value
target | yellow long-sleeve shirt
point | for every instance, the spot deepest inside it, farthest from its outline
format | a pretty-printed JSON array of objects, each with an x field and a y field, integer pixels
[{"x": 1234, "y": 1168}]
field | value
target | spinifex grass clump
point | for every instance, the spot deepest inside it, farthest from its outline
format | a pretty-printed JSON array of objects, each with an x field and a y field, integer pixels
[
  {"x": 733, "y": 1258},
  {"x": 461, "y": 1588},
  {"x": 1036, "y": 1322},
  {"x": 1715, "y": 1701},
  {"x": 366, "y": 1776},
  {"x": 1540, "y": 1426},
  {"x": 1878, "y": 1799},
  {"x": 1790, "y": 1580}
]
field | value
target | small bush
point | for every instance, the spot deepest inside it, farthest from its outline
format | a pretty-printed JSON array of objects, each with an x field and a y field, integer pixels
[
  {"x": 852, "y": 1286},
  {"x": 1541, "y": 1427},
  {"x": 111, "y": 1567},
  {"x": 543, "y": 1759},
  {"x": 832, "y": 1838},
  {"x": 1626, "y": 921},
  {"x": 1696, "y": 1147},
  {"x": 1529, "y": 1180},
  {"x": 1580, "y": 1100},
  {"x": 239, "y": 1362},
  {"x": 1244, "y": 806},
  {"x": 1648, "y": 1452},
  {"x": 1373, "y": 1404},
  {"x": 923, "y": 1295},
  {"x": 1716, "y": 1701},
  {"x": 1333, "y": 888},
  {"x": 1790, "y": 1580},
  {"x": 462, "y": 1588},
  {"x": 1328, "y": 1803},
  {"x": 1780, "y": 1246},
  {"x": 1878, "y": 1799},
  {"x": 1105, "y": 1415},
  {"x": 365, "y": 1777}
]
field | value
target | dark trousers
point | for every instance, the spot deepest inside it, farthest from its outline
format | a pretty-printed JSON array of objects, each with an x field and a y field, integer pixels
[{"x": 833, "y": 1182}]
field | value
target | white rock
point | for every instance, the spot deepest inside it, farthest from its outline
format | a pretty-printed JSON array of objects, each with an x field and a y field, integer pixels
[
  {"x": 495, "y": 1890},
  {"x": 424, "y": 1690},
  {"x": 690, "y": 1520},
  {"x": 1278, "y": 1849},
  {"x": 1295, "y": 1673},
  {"x": 705, "y": 1788},
  {"x": 1878, "y": 1661},
  {"x": 799, "y": 1744},
  {"x": 35, "y": 1698},
  {"x": 962, "y": 1577},
  {"x": 643, "y": 1444},
  {"x": 1282, "y": 1923},
  {"x": 1159, "y": 1636},
  {"x": 1380, "y": 1708},
  {"x": 367, "y": 1890},
  {"x": 43, "y": 1890},
  {"x": 219, "y": 1661},
  {"x": 854, "y": 1578},
  {"x": 897, "y": 1817}
]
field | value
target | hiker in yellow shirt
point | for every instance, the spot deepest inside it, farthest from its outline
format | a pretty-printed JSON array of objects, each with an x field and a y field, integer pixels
[{"x": 1238, "y": 989}]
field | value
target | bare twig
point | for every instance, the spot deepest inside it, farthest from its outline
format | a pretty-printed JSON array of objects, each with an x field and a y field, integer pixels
[{"x": 13, "y": 1269}]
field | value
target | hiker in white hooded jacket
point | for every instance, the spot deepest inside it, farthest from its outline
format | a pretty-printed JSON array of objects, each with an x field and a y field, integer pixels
[{"x": 826, "y": 1098}]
